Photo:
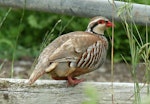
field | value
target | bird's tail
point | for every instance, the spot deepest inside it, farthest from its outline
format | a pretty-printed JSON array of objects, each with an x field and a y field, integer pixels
[
  {"x": 35, "y": 75},
  {"x": 39, "y": 71}
]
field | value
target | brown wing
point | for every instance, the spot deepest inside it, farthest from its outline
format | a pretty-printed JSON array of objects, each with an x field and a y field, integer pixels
[
  {"x": 74, "y": 47},
  {"x": 91, "y": 55}
]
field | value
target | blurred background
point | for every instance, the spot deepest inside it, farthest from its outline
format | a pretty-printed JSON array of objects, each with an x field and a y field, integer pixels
[{"x": 24, "y": 33}]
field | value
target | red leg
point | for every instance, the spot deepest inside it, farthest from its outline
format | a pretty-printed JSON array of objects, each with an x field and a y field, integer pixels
[{"x": 74, "y": 81}]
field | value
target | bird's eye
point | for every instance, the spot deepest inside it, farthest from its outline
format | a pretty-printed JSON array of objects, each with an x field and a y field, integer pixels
[{"x": 101, "y": 21}]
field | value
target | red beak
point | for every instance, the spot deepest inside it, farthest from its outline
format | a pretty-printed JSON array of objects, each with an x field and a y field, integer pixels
[{"x": 109, "y": 24}]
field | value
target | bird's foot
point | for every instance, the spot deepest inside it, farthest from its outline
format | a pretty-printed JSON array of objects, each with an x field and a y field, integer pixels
[{"x": 74, "y": 81}]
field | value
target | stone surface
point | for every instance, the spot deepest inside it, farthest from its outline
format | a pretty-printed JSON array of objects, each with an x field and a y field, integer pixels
[{"x": 16, "y": 91}]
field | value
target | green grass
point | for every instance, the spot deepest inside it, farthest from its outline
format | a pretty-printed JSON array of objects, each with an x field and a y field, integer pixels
[
  {"x": 139, "y": 50},
  {"x": 92, "y": 95}
]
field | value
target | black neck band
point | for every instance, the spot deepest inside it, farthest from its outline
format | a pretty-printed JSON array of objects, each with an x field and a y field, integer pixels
[{"x": 93, "y": 28}]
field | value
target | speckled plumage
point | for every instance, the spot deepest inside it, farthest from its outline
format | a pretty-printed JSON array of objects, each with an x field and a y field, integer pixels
[{"x": 73, "y": 54}]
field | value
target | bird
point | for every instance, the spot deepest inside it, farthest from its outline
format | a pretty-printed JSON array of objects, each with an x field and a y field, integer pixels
[{"x": 74, "y": 54}]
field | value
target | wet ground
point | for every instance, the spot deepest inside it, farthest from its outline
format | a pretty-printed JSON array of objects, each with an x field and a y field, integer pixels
[{"x": 121, "y": 73}]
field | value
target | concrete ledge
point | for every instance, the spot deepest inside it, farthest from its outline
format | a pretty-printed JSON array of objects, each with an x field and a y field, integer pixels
[{"x": 16, "y": 91}]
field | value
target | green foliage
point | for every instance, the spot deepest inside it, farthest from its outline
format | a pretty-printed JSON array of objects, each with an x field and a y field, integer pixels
[
  {"x": 139, "y": 46},
  {"x": 35, "y": 26},
  {"x": 92, "y": 94},
  {"x": 146, "y": 100},
  {"x": 32, "y": 30}
]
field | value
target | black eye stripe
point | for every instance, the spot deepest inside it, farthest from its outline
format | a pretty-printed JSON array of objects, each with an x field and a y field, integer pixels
[{"x": 96, "y": 23}]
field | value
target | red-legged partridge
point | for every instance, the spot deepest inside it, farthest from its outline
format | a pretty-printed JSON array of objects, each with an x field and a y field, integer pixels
[{"x": 74, "y": 54}]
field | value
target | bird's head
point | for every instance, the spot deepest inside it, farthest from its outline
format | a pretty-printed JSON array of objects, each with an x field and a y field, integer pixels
[{"x": 98, "y": 25}]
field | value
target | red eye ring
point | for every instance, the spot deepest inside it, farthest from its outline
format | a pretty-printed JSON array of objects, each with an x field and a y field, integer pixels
[{"x": 101, "y": 22}]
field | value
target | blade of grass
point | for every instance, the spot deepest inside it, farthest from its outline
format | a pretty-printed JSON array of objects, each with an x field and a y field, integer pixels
[
  {"x": 16, "y": 42},
  {"x": 1, "y": 23},
  {"x": 64, "y": 27},
  {"x": 133, "y": 47}
]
